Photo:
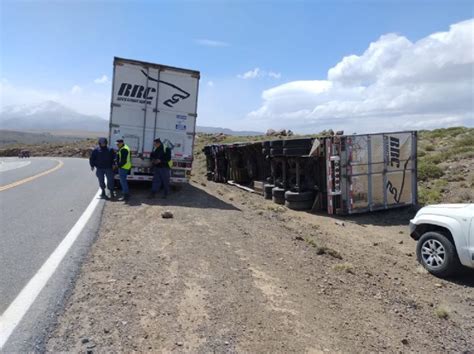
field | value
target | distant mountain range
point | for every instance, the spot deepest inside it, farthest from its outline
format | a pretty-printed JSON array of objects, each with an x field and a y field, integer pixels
[
  {"x": 211, "y": 130},
  {"x": 50, "y": 116}
]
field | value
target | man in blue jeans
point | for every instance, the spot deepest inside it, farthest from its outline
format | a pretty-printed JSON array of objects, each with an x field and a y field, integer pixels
[
  {"x": 102, "y": 159},
  {"x": 124, "y": 163},
  {"x": 160, "y": 158}
]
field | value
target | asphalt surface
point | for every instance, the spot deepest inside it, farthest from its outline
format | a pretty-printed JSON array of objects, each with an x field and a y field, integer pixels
[{"x": 34, "y": 218}]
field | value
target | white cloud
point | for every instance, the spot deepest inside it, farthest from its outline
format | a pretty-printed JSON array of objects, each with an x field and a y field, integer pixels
[
  {"x": 102, "y": 80},
  {"x": 210, "y": 83},
  {"x": 211, "y": 43},
  {"x": 274, "y": 75},
  {"x": 395, "y": 84},
  {"x": 251, "y": 74},
  {"x": 258, "y": 73},
  {"x": 76, "y": 90}
]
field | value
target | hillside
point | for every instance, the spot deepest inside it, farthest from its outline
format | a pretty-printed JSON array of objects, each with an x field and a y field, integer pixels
[
  {"x": 226, "y": 131},
  {"x": 446, "y": 166},
  {"x": 12, "y": 138}
]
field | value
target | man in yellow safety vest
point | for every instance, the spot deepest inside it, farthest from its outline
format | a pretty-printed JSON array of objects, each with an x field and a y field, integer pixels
[{"x": 124, "y": 163}]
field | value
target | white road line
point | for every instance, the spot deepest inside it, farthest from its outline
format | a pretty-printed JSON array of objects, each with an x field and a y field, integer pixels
[
  {"x": 18, "y": 308},
  {"x": 12, "y": 165}
]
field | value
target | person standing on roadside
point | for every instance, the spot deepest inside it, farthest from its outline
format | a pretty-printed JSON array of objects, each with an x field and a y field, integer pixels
[
  {"x": 161, "y": 160},
  {"x": 124, "y": 163},
  {"x": 102, "y": 159}
]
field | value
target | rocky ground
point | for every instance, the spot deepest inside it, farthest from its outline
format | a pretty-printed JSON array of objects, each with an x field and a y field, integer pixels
[{"x": 232, "y": 272}]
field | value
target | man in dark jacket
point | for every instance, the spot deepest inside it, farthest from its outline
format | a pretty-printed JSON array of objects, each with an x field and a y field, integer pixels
[
  {"x": 102, "y": 159},
  {"x": 160, "y": 158}
]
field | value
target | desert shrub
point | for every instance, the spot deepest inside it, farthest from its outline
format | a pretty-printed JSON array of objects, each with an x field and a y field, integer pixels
[
  {"x": 466, "y": 140},
  {"x": 442, "y": 312},
  {"x": 427, "y": 170},
  {"x": 428, "y": 196},
  {"x": 445, "y": 132},
  {"x": 440, "y": 183}
]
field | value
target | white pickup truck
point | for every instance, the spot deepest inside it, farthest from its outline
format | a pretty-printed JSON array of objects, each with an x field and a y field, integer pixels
[{"x": 445, "y": 235}]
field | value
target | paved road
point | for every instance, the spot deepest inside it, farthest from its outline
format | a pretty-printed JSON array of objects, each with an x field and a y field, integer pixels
[{"x": 36, "y": 216}]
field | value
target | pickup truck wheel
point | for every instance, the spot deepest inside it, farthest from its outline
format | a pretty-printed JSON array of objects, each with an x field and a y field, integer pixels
[{"x": 437, "y": 254}]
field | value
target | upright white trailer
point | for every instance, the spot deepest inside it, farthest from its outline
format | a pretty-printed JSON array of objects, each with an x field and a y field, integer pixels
[{"x": 154, "y": 101}]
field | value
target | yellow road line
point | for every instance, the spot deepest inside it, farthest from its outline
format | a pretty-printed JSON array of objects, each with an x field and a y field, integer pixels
[{"x": 28, "y": 179}]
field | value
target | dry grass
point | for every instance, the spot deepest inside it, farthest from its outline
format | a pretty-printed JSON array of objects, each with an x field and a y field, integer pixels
[
  {"x": 442, "y": 312},
  {"x": 344, "y": 267}
]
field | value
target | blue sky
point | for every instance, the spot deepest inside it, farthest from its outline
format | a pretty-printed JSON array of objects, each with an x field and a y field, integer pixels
[{"x": 53, "y": 49}]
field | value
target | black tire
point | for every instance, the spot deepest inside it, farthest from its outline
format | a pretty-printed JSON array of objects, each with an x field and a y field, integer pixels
[
  {"x": 276, "y": 143},
  {"x": 278, "y": 193},
  {"x": 298, "y": 143},
  {"x": 267, "y": 190},
  {"x": 296, "y": 151},
  {"x": 445, "y": 261},
  {"x": 302, "y": 205},
  {"x": 276, "y": 151},
  {"x": 299, "y": 197},
  {"x": 277, "y": 200}
]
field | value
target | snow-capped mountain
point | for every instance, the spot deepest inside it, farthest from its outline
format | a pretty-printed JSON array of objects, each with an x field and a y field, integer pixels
[{"x": 49, "y": 115}]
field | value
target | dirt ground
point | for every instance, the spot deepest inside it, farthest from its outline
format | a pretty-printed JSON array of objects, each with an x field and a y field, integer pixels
[{"x": 232, "y": 272}]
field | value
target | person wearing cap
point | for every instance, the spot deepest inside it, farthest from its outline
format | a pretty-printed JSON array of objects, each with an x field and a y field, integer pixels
[
  {"x": 102, "y": 160},
  {"x": 160, "y": 158},
  {"x": 124, "y": 163}
]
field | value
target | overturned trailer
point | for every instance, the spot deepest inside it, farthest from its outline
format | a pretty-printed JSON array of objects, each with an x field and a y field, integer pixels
[{"x": 339, "y": 174}]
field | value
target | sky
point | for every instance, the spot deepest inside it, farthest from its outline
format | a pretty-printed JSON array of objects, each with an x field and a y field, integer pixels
[{"x": 360, "y": 66}]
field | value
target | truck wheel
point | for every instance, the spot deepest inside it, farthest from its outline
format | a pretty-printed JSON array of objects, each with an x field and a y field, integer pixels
[
  {"x": 267, "y": 190},
  {"x": 437, "y": 254},
  {"x": 298, "y": 143},
  {"x": 277, "y": 200},
  {"x": 301, "y": 205},
  {"x": 299, "y": 197},
  {"x": 296, "y": 151},
  {"x": 279, "y": 193}
]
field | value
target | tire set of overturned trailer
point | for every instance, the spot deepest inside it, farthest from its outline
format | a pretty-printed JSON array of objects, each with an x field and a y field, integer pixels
[{"x": 342, "y": 174}]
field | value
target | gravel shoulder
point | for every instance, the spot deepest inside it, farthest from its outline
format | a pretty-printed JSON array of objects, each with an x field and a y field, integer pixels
[{"x": 232, "y": 272}]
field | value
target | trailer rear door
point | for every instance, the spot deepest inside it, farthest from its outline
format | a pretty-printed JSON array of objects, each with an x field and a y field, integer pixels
[{"x": 381, "y": 171}]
